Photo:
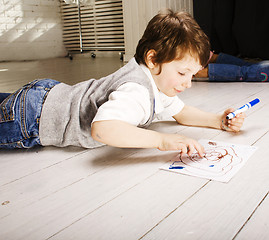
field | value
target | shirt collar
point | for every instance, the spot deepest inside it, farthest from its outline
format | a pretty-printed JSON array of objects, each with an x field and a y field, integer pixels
[{"x": 159, "y": 107}]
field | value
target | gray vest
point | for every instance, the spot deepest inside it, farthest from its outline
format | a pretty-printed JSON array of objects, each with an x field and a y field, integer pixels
[{"x": 69, "y": 110}]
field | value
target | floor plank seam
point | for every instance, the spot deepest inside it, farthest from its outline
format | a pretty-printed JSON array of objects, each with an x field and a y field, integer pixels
[
  {"x": 37, "y": 200},
  {"x": 40, "y": 170},
  {"x": 78, "y": 180},
  {"x": 175, "y": 209},
  {"x": 250, "y": 216},
  {"x": 258, "y": 139},
  {"x": 103, "y": 205}
]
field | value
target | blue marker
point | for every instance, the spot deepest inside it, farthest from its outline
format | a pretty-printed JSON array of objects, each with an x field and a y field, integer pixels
[{"x": 243, "y": 108}]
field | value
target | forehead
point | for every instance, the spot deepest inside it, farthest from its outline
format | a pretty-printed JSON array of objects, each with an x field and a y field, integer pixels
[{"x": 188, "y": 63}]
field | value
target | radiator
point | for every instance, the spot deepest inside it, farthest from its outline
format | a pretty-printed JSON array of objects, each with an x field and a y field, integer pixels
[{"x": 98, "y": 27}]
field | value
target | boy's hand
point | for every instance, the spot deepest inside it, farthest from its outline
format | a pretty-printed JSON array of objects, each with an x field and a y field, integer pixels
[
  {"x": 188, "y": 146},
  {"x": 234, "y": 124}
]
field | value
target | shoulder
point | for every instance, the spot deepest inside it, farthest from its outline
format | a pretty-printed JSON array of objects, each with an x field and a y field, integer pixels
[{"x": 132, "y": 72}]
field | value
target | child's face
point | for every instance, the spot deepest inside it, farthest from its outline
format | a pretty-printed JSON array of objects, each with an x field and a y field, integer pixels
[{"x": 175, "y": 76}]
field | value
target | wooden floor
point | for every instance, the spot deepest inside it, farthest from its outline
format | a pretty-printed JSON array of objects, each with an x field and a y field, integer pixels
[{"x": 110, "y": 193}]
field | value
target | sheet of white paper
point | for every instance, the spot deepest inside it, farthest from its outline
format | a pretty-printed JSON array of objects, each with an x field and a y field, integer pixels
[{"x": 220, "y": 163}]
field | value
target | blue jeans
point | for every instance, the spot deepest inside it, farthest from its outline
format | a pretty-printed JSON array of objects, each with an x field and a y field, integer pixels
[
  {"x": 20, "y": 114},
  {"x": 232, "y": 69},
  {"x": 3, "y": 96}
]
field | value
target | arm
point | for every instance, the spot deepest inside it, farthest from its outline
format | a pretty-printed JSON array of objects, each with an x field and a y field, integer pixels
[
  {"x": 121, "y": 134},
  {"x": 192, "y": 116}
]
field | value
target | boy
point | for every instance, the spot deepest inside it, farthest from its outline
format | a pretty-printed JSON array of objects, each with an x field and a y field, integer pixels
[{"x": 114, "y": 110}]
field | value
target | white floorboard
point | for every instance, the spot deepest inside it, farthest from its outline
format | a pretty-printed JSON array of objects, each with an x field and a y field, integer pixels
[
  {"x": 257, "y": 227},
  {"x": 112, "y": 193}
]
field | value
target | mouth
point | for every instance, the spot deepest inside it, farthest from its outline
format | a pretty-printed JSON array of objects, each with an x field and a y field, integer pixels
[{"x": 178, "y": 91}]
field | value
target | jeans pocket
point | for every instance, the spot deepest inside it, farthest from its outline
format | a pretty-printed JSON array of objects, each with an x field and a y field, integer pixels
[{"x": 7, "y": 107}]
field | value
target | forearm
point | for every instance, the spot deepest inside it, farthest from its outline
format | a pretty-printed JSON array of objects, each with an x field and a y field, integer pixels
[
  {"x": 120, "y": 134},
  {"x": 192, "y": 116}
]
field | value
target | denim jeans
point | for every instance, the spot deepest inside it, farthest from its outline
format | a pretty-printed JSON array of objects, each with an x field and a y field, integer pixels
[
  {"x": 229, "y": 68},
  {"x": 3, "y": 96},
  {"x": 20, "y": 114}
]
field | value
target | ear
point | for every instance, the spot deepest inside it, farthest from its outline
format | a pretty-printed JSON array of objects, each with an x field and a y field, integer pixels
[{"x": 150, "y": 58}]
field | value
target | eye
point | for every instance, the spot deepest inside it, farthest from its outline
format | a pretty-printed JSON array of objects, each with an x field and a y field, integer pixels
[{"x": 181, "y": 74}]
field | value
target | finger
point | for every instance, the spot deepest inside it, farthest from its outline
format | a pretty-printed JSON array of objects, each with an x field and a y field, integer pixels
[
  {"x": 191, "y": 150},
  {"x": 242, "y": 115},
  {"x": 229, "y": 110},
  {"x": 200, "y": 149},
  {"x": 183, "y": 149},
  {"x": 237, "y": 123},
  {"x": 235, "y": 127},
  {"x": 239, "y": 117}
]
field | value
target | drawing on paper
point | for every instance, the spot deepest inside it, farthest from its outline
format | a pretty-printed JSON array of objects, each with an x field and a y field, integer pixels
[
  {"x": 217, "y": 160},
  {"x": 220, "y": 162}
]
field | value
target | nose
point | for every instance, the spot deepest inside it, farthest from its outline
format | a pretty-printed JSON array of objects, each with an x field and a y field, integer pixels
[{"x": 187, "y": 82}]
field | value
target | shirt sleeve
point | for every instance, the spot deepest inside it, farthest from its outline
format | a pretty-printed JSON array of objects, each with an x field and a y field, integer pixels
[
  {"x": 129, "y": 103},
  {"x": 171, "y": 106}
]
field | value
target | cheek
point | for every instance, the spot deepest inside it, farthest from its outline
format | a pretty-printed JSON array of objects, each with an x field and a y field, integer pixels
[
  {"x": 173, "y": 81},
  {"x": 168, "y": 83},
  {"x": 168, "y": 80}
]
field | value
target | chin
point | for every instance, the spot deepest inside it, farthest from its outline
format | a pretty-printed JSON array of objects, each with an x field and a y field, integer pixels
[{"x": 172, "y": 95}]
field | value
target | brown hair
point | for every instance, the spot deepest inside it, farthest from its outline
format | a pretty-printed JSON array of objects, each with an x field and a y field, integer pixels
[{"x": 172, "y": 35}]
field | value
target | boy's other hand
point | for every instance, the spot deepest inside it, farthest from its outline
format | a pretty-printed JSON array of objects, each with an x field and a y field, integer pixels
[{"x": 234, "y": 124}]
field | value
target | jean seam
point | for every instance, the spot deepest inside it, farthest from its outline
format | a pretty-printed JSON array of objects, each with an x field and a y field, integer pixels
[
  {"x": 23, "y": 107},
  {"x": 7, "y": 116},
  {"x": 22, "y": 110},
  {"x": 20, "y": 140}
]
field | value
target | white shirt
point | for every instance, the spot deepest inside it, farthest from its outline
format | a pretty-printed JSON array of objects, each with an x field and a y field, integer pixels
[{"x": 131, "y": 103}]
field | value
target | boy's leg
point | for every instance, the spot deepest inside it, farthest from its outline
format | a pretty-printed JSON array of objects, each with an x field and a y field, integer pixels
[
  {"x": 20, "y": 114},
  {"x": 3, "y": 96}
]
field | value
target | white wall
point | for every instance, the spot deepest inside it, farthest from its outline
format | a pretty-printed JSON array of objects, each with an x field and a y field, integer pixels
[
  {"x": 30, "y": 29},
  {"x": 137, "y": 13}
]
